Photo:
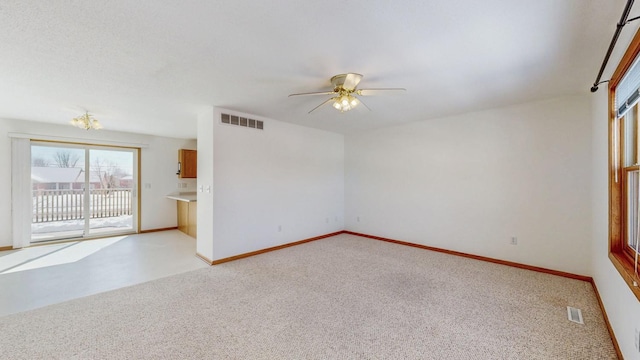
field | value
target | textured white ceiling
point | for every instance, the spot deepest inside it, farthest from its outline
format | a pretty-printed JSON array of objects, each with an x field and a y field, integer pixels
[{"x": 151, "y": 66}]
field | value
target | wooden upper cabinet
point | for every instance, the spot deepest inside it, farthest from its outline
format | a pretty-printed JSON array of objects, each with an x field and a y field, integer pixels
[{"x": 188, "y": 163}]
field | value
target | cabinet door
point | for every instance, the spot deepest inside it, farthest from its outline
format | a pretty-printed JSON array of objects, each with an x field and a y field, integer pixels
[
  {"x": 188, "y": 163},
  {"x": 192, "y": 228},
  {"x": 183, "y": 216}
]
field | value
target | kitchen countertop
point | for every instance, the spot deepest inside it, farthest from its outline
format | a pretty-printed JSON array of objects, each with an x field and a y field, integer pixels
[{"x": 184, "y": 196}]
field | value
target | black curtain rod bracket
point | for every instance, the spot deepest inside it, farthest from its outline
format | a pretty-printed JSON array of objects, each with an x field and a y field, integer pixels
[{"x": 632, "y": 19}]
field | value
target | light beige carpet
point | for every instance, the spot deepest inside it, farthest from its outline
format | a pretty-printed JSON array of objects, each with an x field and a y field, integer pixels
[{"x": 343, "y": 297}]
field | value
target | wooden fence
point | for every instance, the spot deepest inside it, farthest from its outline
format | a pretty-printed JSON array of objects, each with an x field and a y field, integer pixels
[{"x": 60, "y": 205}]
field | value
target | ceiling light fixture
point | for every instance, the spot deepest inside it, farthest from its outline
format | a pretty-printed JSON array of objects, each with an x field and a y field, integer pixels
[
  {"x": 86, "y": 121},
  {"x": 345, "y": 101}
]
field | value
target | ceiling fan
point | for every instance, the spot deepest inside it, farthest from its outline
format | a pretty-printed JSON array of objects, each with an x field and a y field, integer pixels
[{"x": 345, "y": 89}]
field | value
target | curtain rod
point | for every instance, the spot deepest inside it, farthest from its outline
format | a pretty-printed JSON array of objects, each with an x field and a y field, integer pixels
[{"x": 623, "y": 21}]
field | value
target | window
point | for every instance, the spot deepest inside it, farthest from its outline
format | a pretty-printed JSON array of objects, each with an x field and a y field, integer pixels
[{"x": 624, "y": 171}]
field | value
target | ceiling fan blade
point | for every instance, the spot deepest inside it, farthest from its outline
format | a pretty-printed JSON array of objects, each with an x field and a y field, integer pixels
[
  {"x": 312, "y": 110},
  {"x": 314, "y": 93},
  {"x": 370, "y": 91},
  {"x": 351, "y": 81},
  {"x": 365, "y": 105}
]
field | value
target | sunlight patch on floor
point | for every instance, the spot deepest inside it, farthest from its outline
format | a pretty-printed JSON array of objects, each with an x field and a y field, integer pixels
[{"x": 52, "y": 255}]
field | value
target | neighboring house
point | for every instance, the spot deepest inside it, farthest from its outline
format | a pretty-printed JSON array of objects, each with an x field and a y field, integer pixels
[
  {"x": 126, "y": 182},
  {"x": 57, "y": 178}
]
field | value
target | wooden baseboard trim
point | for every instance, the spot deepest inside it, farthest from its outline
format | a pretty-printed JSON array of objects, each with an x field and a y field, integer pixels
[
  {"x": 204, "y": 258},
  {"x": 478, "y": 257},
  {"x": 156, "y": 230},
  {"x": 606, "y": 321},
  {"x": 445, "y": 251},
  {"x": 4, "y": 248},
  {"x": 258, "y": 252}
]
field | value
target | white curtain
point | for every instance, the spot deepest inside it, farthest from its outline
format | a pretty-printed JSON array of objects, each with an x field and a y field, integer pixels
[{"x": 21, "y": 206}]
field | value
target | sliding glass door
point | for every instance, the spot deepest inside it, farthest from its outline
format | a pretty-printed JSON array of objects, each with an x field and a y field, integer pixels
[
  {"x": 57, "y": 183},
  {"x": 82, "y": 191}
]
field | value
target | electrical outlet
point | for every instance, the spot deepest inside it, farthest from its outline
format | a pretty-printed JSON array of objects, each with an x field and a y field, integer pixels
[
  {"x": 326, "y": 220},
  {"x": 514, "y": 240},
  {"x": 358, "y": 218},
  {"x": 636, "y": 343},
  {"x": 279, "y": 228}
]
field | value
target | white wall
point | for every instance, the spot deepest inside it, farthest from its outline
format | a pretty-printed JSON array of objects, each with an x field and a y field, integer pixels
[
  {"x": 621, "y": 305},
  {"x": 158, "y": 168},
  {"x": 273, "y": 186},
  {"x": 470, "y": 182},
  {"x": 204, "y": 242}
]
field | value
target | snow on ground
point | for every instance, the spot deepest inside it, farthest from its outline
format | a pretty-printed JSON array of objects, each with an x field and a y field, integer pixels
[{"x": 116, "y": 222}]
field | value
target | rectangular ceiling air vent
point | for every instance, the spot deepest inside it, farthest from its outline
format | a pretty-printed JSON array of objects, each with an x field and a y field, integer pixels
[
  {"x": 241, "y": 121},
  {"x": 574, "y": 315}
]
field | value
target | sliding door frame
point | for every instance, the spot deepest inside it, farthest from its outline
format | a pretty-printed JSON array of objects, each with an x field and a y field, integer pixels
[{"x": 136, "y": 202}]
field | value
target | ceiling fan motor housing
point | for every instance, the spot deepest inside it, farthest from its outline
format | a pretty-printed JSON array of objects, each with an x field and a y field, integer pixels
[{"x": 346, "y": 82}]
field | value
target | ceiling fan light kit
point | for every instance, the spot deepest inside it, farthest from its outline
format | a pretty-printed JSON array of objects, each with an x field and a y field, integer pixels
[
  {"x": 345, "y": 89},
  {"x": 345, "y": 102}
]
